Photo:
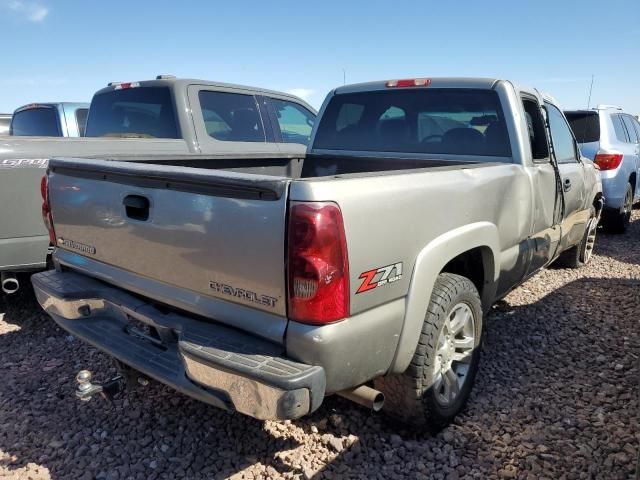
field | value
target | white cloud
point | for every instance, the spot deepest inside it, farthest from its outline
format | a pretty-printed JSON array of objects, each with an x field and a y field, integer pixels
[
  {"x": 304, "y": 93},
  {"x": 31, "y": 11}
]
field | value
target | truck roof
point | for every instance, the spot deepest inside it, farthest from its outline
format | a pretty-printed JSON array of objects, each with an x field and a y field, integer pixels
[
  {"x": 437, "y": 82},
  {"x": 71, "y": 105},
  {"x": 446, "y": 82},
  {"x": 168, "y": 81},
  {"x": 596, "y": 109}
]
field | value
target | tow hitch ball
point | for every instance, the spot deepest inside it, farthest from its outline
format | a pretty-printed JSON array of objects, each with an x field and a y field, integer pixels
[{"x": 86, "y": 389}]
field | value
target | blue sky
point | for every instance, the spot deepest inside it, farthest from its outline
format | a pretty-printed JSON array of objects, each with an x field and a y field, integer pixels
[{"x": 54, "y": 50}]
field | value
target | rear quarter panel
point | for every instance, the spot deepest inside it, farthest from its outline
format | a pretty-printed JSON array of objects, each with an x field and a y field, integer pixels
[{"x": 422, "y": 220}]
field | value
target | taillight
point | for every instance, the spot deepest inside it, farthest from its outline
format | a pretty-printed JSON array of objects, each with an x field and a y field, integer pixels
[
  {"x": 608, "y": 161},
  {"x": 318, "y": 270},
  {"x": 46, "y": 210}
]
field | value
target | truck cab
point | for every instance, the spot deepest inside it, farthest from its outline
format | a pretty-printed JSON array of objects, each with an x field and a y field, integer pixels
[{"x": 210, "y": 117}]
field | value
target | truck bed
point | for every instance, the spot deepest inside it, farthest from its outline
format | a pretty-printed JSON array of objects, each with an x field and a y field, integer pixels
[
  {"x": 202, "y": 234},
  {"x": 309, "y": 166}
]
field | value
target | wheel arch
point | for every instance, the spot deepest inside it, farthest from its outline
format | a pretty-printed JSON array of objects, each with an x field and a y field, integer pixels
[
  {"x": 598, "y": 202},
  {"x": 475, "y": 247}
]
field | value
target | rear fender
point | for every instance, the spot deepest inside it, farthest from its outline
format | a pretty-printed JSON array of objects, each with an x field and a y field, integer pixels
[{"x": 429, "y": 263}]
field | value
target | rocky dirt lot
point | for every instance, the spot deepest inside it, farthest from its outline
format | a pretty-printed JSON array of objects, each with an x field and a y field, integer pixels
[{"x": 556, "y": 397}]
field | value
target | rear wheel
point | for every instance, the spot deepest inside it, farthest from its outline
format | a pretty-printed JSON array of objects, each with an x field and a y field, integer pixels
[
  {"x": 581, "y": 254},
  {"x": 437, "y": 384},
  {"x": 617, "y": 221}
]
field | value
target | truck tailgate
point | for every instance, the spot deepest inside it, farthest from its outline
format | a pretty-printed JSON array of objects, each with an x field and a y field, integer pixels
[{"x": 218, "y": 235}]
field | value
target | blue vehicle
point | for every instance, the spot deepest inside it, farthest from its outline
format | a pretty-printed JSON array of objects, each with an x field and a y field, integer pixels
[
  {"x": 611, "y": 138},
  {"x": 63, "y": 119}
]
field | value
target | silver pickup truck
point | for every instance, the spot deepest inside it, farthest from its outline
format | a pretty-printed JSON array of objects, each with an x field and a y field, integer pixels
[
  {"x": 362, "y": 269},
  {"x": 166, "y": 116}
]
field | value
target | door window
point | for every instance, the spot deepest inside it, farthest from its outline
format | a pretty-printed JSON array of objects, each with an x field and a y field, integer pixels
[
  {"x": 628, "y": 122},
  {"x": 561, "y": 136},
  {"x": 618, "y": 127},
  {"x": 295, "y": 121},
  {"x": 231, "y": 117},
  {"x": 536, "y": 130},
  {"x": 636, "y": 124}
]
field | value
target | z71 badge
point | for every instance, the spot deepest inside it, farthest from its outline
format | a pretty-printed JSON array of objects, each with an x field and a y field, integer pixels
[{"x": 380, "y": 276}]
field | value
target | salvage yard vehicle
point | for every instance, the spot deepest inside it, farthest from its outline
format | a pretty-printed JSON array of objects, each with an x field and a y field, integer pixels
[
  {"x": 63, "y": 119},
  {"x": 5, "y": 121},
  {"x": 362, "y": 269},
  {"x": 611, "y": 138},
  {"x": 164, "y": 116}
]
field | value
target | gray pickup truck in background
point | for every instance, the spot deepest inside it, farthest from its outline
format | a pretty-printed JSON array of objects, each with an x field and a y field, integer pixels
[
  {"x": 166, "y": 116},
  {"x": 62, "y": 119},
  {"x": 363, "y": 269}
]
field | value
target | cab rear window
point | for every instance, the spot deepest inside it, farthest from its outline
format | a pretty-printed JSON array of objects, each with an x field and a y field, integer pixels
[
  {"x": 141, "y": 112},
  {"x": 38, "y": 122},
  {"x": 440, "y": 121},
  {"x": 585, "y": 126}
]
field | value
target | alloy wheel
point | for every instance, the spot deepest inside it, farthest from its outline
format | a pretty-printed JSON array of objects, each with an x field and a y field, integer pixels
[{"x": 456, "y": 343}]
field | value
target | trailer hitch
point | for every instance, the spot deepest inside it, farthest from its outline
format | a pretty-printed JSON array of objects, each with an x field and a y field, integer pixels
[
  {"x": 86, "y": 389},
  {"x": 126, "y": 377}
]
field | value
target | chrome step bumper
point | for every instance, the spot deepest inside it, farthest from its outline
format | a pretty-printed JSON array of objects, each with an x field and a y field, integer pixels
[{"x": 216, "y": 364}]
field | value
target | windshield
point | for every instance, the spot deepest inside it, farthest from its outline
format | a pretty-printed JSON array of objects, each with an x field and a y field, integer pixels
[
  {"x": 140, "y": 112},
  {"x": 440, "y": 121},
  {"x": 36, "y": 122}
]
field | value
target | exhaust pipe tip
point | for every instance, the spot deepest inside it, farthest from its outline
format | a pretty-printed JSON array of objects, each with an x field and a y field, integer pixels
[
  {"x": 378, "y": 402},
  {"x": 365, "y": 396},
  {"x": 10, "y": 283}
]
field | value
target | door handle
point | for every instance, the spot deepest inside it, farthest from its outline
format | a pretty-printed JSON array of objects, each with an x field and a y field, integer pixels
[
  {"x": 136, "y": 207},
  {"x": 566, "y": 186}
]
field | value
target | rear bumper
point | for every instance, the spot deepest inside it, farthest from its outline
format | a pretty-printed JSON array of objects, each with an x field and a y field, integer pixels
[
  {"x": 207, "y": 361},
  {"x": 614, "y": 187}
]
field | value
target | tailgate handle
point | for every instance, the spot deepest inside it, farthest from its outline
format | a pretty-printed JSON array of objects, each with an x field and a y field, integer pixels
[{"x": 137, "y": 207}]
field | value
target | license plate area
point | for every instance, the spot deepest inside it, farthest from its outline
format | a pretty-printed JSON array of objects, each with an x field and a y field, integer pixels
[{"x": 145, "y": 332}]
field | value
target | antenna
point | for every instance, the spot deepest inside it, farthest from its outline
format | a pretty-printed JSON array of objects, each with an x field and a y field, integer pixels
[
  {"x": 344, "y": 76},
  {"x": 590, "y": 90}
]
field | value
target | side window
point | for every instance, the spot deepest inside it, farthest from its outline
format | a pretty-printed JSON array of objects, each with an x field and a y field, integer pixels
[
  {"x": 536, "y": 129},
  {"x": 231, "y": 117},
  {"x": 628, "y": 122},
  {"x": 618, "y": 127},
  {"x": 295, "y": 121},
  {"x": 636, "y": 124},
  {"x": 563, "y": 143},
  {"x": 81, "y": 119}
]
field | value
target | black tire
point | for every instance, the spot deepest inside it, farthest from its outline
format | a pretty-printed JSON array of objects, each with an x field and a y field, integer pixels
[
  {"x": 617, "y": 221},
  {"x": 410, "y": 397},
  {"x": 580, "y": 255}
]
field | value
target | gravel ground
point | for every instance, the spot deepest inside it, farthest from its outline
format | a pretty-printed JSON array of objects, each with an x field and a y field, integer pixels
[{"x": 556, "y": 397}]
